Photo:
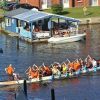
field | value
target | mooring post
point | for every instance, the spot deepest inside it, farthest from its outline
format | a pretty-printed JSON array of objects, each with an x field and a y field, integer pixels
[
  {"x": 15, "y": 96},
  {"x": 17, "y": 42},
  {"x": 25, "y": 88},
  {"x": 52, "y": 94},
  {"x": 1, "y": 50}
]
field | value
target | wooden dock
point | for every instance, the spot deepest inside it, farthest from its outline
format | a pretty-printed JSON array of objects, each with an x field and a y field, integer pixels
[
  {"x": 13, "y": 35},
  {"x": 40, "y": 41}
]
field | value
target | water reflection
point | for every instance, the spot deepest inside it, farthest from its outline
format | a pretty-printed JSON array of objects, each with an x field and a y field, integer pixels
[
  {"x": 86, "y": 87},
  {"x": 34, "y": 87},
  {"x": 7, "y": 96}
]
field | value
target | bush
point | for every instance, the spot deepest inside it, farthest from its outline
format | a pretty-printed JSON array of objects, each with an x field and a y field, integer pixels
[
  {"x": 57, "y": 9},
  {"x": 2, "y": 4}
]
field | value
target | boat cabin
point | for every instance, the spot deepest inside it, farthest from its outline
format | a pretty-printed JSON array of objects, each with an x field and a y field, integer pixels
[{"x": 36, "y": 25}]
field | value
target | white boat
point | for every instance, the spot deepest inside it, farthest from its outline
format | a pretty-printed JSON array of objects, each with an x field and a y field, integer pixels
[
  {"x": 48, "y": 78},
  {"x": 65, "y": 39}
]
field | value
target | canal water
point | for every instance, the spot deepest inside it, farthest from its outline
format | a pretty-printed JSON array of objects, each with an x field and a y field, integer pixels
[{"x": 83, "y": 88}]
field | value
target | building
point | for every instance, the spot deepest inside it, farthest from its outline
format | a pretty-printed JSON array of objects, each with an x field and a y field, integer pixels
[
  {"x": 45, "y": 4},
  {"x": 36, "y": 25}
]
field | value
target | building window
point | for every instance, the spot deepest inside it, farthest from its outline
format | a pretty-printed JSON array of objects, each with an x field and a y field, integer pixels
[
  {"x": 66, "y": 1},
  {"x": 49, "y": 3},
  {"x": 79, "y": 0},
  {"x": 44, "y": 1},
  {"x": 8, "y": 21}
]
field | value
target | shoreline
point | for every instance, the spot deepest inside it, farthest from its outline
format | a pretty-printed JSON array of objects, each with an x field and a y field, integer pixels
[{"x": 92, "y": 20}]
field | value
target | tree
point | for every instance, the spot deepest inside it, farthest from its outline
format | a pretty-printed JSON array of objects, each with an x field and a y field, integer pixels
[{"x": 57, "y": 9}]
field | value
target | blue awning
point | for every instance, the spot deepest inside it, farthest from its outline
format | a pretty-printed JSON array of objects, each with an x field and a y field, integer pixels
[
  {"x": 66, "y": 18},
  {"x": 32, "y": 16}
]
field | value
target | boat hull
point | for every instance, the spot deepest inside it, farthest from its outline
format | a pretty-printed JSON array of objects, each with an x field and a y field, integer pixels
[
  {"x": 18, "y": 82},
  {"x": 49, "y": 78},
  {"x": 74, "y": 38}
]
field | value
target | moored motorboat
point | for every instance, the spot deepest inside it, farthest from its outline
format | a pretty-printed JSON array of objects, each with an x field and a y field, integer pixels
[{"x": 65, "y": 39}]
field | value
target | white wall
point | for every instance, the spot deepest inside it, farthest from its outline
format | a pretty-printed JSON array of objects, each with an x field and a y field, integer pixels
[
  {"x": 65, "y": 3},
  {"x": 94, "y": 3}
]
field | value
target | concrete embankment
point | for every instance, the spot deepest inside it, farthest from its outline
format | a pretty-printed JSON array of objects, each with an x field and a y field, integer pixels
[{"x": 92, "y": 20}]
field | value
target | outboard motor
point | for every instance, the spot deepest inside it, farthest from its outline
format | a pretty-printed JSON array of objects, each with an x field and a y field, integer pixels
[{"x": 1, "y": 50}]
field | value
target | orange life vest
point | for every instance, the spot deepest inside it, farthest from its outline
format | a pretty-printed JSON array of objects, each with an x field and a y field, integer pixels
[
  {"x": 34, "y": 74},
  {"x": 76, "y": 66},
  {"x": 47, "y": 70},
  {"x": 71, "y": 65},
  {"x": 9, "y": 70}
]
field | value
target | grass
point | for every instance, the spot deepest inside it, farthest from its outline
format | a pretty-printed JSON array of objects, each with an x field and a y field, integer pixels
[
  {"x": 1, "y": 13},
  {"x": 78, "y": 12},
  {"x": 74, "y": 12}
]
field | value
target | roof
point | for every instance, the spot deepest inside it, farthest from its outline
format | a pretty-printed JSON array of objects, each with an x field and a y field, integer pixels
[
  {"x": 31, "y": 16},
  {"x": 67, "y": 18},
  {"x": 15, "y": 12}
]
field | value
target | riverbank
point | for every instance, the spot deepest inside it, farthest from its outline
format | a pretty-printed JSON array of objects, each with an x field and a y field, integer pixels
[{"x": 92, "y": 20}]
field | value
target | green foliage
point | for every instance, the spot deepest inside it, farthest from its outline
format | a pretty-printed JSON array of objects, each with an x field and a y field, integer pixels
[
  {"x": 2, "y": 3},
  {"x": 57, "y": 9}
]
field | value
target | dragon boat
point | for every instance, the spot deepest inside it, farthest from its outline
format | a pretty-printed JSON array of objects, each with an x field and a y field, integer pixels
[{"x": 50, "y": 78}]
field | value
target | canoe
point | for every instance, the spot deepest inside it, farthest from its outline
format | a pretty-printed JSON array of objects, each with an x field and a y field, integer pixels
[
  {"x": 49, "y": 78},
  {"x": 66, "y": 39}
]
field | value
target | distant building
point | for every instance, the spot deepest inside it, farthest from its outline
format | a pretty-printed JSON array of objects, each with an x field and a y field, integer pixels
[{"x": 45, "y": 4}]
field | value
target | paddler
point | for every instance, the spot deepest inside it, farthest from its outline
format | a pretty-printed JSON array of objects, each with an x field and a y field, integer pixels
[
  {"x": 64, "y": 68},
  {"x": 77, "y": 65},
  {"x": 10, "y": 70},
  {"x": 47, "y": 70},
  {"x": 88, "y": 62},
  {"x": 16, "y": 76},
  {"x": 94, "y": 62},
  {"x": 32, "y": 73},
  {"x": 71, "y": 67},
  {"x": 55, "y": 70}
]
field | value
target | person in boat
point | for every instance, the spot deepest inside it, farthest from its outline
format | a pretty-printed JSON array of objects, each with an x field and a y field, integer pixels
[
  {"x": 98, "y": 63},
  {"x": 94, "y": 62},
  {"x": 58, "y": 65},
  {"x": 71, "y": 67},
  {"x": 46, "y": 71},
  {"x": 16, "y": 76},
  {"x": 64, "y": 68},
  {"x": 32, "y": 73},
  {"x": 82, "y": 64},
  {"x": 88, "y": 62},
  {"x": 76, "y": 65},
  {"x": 35, "y": 67},
  {"x": 56, "y": 70},
  {"x": 10, "y": 70}
]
